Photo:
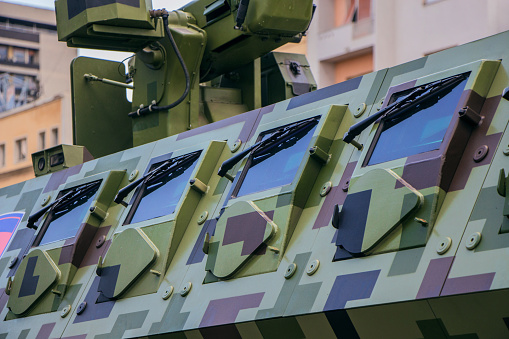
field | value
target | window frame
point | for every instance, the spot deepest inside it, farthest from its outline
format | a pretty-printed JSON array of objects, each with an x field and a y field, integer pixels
[
  {"x": 18, "y": 145},
  {"x": 247, "y": 166},
  {"x": 55, "y": 136},
  {"x": 50, "y": 215},
  {"x": 41, "y": 140},
  {"x": 2, "y": 155},
  {"x": 462, "y": 102},
  {"x": 138, "y": 194}
]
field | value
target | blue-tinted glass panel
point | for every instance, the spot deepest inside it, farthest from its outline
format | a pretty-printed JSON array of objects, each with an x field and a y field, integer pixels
[
  {"x": 420, "y": 130},
  {"x": 66, "y": 219},
  {"x": 277, "y": 165},
  {"x": 161, "y": 195}
]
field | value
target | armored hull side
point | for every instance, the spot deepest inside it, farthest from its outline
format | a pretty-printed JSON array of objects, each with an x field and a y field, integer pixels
[{"x": 419, "y": 250}]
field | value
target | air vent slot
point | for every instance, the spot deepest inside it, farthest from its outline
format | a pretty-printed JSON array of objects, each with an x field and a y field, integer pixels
[{"x": 216, "y": 10}]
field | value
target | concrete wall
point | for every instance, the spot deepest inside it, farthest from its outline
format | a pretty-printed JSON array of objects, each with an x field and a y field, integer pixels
[
  {"x": 409, "y": 29},
  {"x": 397, "y": 31}
]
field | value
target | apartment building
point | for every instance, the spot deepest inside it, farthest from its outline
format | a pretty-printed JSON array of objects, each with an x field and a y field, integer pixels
[
  {"x": 349, "y": 38},
  {"x": 35, "y": 100}
]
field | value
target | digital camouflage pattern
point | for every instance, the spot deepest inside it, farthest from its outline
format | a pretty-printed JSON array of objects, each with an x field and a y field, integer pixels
[{"x": 419, "y": 251}]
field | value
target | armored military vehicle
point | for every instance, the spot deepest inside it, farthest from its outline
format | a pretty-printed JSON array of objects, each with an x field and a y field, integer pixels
[{"x": 231, "y": 200}]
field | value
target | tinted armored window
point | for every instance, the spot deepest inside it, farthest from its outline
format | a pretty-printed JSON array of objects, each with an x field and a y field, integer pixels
[
  {"x": 65, "y": 219},
  {"x": 419, "y": 129},
  {"x": 277, "y": 164},
  {"x": 161, "y": 193}
]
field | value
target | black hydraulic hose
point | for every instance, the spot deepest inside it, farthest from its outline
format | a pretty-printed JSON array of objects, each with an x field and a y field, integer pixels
[
  {"x": 241, "y": 13},
  {"x": 153, "y": 107}
]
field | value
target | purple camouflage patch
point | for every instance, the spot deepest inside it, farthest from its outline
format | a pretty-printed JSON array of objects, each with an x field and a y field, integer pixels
[
  {"x": 225, "y": 311},
  {"x": 197, "y": 254},
  {"x": 434, "y": 277},
  {"x": 335, "y": 196},
  {"x": 94, "y": 310},
  {"x": 60, "y": 177},
  {"x": 348, "y": 287},
  {"x": 435, "y": 281},
  {"x": 250, "y": 120},
  {"x": 45, "y": 331},
  {"x": 478, "y": 137},
  {"x": 468, "y": 284},
  {"x": 248, "y": 228}
]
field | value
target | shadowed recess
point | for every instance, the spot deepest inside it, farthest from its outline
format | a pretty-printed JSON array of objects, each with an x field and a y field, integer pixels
[
  {"x": 227, "y": 331},
  {"x": 341, "y": 324},
  {"x": 280, "y": 328},
  {"x": 435, "y": 329}
]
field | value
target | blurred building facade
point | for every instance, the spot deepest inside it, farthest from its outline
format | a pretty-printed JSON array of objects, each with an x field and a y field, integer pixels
[
  {"x": 35, "y": 104},
  {"x": 349, "y": 38}
]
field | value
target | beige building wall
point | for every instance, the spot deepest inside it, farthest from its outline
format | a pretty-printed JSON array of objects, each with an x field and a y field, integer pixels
[
  {"x": 19, "y": 139},
  {"x": 34, "y": 29},
  {"x": 353, "y": 67},
  {"x": 344, "y": 32},
  {"x": 300, "y": 48}
]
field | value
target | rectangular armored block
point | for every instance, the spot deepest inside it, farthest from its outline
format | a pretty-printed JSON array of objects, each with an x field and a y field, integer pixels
[{"x": 76, "y": 16}]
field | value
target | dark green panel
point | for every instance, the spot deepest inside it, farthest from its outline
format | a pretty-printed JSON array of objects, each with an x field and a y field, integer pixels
[{"x": 100, "y": 123}]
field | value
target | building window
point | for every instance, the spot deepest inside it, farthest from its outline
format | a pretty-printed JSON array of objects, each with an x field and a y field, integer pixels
[
  {"x": 42, "y": 140},
  {"x": 348, "y": 11},
  {"x": 21, "y": 150},
  {"x": 17, "y": 90},
  {"x": 2, "y": 155},
  {"x": 54, "y": 136},
  {"x": 3, "y": 53},
  {"x": 19, "y": 56}
]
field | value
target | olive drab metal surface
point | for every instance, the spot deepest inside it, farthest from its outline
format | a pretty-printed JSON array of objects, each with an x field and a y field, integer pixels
[{"x": 373, "y": 208}]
